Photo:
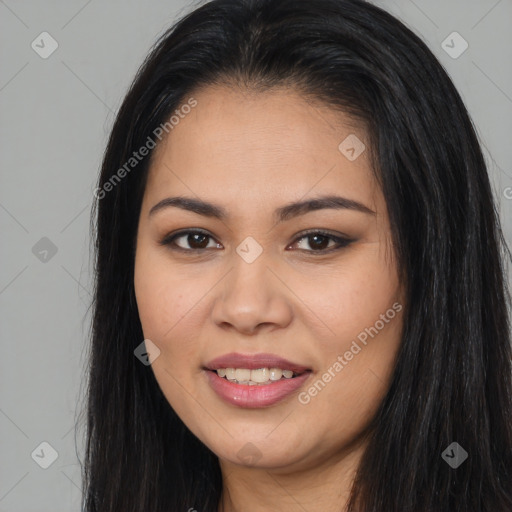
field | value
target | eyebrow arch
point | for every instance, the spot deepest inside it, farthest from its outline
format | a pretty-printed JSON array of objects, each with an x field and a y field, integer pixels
[{"x": 283, "y": 213}]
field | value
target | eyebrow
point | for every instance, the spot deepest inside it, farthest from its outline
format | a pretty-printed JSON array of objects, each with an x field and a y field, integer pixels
[{"x": 283, "y": 213}]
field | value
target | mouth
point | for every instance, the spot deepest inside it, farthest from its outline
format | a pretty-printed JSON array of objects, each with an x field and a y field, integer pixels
[
  {"x": 257, "y": 377},
  {"x": 255, "y": 381}
]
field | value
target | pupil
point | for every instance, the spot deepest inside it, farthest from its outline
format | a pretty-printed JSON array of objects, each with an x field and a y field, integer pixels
[
  {"x": 324, "y": 241},
  {"x": 202, "y": 239}
]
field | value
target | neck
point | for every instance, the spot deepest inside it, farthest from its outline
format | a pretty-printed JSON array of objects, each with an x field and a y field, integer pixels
[{"x": 322, "y": 486}]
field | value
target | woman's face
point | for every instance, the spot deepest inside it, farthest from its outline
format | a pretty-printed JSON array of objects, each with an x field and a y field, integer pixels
[{"x": 280, "y": 281}]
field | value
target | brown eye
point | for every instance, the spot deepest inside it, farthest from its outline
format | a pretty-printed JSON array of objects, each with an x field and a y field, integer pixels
[
  {"x": 190, "y": 241},
  {"x": 197, "y": 240},
  {"x": 313, "y": 242},
  {"x": 320, "y": 242}
]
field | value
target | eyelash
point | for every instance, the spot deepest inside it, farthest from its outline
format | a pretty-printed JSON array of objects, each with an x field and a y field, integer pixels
[{"x": 342, "y": 242}]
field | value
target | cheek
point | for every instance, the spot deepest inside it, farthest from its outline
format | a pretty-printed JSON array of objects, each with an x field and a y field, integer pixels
[
  {"x": 352, "y": 296},
  {"x": 357, "y": 361},
  {"x": 165, "y": 302},
  {"x": 367, "y": 321}
]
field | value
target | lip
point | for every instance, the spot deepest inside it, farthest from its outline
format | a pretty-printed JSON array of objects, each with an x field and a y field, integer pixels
[
  {"x": 254, "y": 397},
  {"x": 254, "y": 361}
]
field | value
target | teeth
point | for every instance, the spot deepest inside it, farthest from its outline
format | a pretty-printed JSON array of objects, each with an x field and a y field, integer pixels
[
  {"x": 242, "y": 375},
  {"x": 261, "y": 376},
  {"x": 275, "y": 373}
]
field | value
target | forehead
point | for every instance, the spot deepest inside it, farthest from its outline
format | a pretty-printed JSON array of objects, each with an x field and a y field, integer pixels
[{"x": 243, "y": 145}]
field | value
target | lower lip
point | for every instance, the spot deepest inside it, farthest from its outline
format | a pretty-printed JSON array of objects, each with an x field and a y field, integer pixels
[{"x": 243, "y": 395}]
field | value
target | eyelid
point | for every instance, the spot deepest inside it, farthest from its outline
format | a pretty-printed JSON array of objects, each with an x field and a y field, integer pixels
[
  {"x": 169, "y": 238},
  {"x": 340, "y": 239}
]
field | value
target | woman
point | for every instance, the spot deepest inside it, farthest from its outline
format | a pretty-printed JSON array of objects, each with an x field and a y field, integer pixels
[{"x": 300, "y": 296}]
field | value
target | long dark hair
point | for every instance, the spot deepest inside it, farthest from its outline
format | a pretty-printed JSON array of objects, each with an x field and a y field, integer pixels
[{"x": 453, "y": 375}]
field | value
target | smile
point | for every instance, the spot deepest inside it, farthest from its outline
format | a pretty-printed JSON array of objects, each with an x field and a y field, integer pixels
[
  {"x": 254, "y": 380},
  {"x": 259, "y": 377}
]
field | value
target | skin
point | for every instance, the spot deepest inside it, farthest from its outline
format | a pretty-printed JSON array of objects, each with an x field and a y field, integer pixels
[{"x": 252, "y": 152}]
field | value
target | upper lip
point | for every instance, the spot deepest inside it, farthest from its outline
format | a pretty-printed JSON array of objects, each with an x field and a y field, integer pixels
[{"x": 253, "y": 362}]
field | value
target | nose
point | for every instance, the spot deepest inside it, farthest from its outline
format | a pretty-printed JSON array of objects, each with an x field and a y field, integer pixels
[{"x": 251, "y": 298}]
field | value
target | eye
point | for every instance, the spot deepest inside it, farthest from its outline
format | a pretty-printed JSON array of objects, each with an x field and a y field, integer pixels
[
  {"x": 190, "y": 241},
  {"x": 196, "y": 240},
  {"x": 319, "y": 242}
]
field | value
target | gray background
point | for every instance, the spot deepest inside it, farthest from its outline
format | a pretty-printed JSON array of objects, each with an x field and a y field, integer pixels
[{"x": 55, "y": 116}]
